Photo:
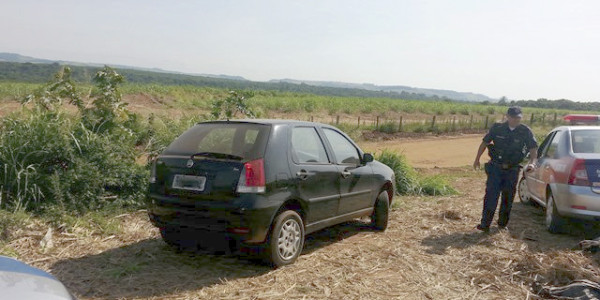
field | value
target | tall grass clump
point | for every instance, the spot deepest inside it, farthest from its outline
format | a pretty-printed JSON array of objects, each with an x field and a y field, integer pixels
[
  {"x": 406, "y": 177},
  {"x": 435, "y": 185},
  {"x": 408, "y": 182},
  {"x": 81, "y": 162}
]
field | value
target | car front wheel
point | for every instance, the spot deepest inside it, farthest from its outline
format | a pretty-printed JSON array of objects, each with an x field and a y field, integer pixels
[
  {"x": 380, "y": 215},
  {"x": 524, "y": 192},
  {"x": 286, "y": 240}
]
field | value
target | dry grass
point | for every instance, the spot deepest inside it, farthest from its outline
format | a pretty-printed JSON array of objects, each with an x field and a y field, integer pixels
[{"x": 430, "y": 251}]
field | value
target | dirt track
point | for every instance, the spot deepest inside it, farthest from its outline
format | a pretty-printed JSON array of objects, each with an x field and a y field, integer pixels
[{"x": 442, "y": 151}]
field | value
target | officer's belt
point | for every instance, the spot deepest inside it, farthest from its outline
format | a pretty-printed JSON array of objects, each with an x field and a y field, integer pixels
[{"x": 505, "y": 166}]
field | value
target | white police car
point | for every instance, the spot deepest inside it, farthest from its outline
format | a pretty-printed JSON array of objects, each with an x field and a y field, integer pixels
[{"x": 23, "y": 282}]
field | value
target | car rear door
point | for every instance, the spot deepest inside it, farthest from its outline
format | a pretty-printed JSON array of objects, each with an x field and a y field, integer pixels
[
  {"x": 317, "y": 179},
  {"x": 356, "y": 178}
]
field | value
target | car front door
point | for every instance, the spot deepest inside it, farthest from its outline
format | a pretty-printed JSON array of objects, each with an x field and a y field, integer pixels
[
  {"x": 535, "y": 182},
  {"x": 317, "y": 179},
  {"x": 356, "y": 178}
]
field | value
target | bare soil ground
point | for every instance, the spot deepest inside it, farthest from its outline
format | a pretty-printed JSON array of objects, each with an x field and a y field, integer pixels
[{"x": 432, "y": 151}]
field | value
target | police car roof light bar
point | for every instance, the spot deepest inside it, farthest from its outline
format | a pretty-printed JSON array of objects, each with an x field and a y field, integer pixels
[{"x": 582, "y": 119}]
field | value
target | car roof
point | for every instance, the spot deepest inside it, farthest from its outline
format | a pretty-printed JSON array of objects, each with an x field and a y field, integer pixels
[
  {"x": 268, "y": 122},
  {"x": 577, "y": 127}
]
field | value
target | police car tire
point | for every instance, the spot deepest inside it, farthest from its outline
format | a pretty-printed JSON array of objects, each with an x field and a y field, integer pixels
[
  {"x": 380, "y": 215},
  {"x": 554, "y": 222},
  {"x": 522, "y": 187}
]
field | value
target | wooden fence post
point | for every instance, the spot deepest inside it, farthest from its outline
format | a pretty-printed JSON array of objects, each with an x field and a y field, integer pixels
[
  {"x": 400, "y": 124},
  {"x": 377, "y": 123},
  {"x": 543, "y": 118},
  {"x": 471, "y": 122},
  {"x": 312, "y": 118},
  {"x": 453, "y": 123},
  {"x": 487, "y": 118},
  {"x": 433, "y": 122},
  {"x": 358, "y": 121},
  {"x": 532, "y": 119},
  {"x": 337, "y": 120},
  {"x": 554, "y": 121}
]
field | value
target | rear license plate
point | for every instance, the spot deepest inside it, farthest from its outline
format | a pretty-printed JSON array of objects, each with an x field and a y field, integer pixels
[{"x": 189, "y": 182}]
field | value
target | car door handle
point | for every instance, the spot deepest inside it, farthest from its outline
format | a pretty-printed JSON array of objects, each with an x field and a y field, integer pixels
[
  {"x": 302, "y": 174},
  {"x": 346, "y": 174}
]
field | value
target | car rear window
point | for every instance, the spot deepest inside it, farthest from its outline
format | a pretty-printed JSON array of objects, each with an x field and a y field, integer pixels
[
  {"x": 238, "y": 139},
  {"x": 586, "y": 141}
]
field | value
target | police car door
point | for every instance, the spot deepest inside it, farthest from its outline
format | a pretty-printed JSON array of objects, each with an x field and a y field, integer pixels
[{"x": 535, "y": 184}]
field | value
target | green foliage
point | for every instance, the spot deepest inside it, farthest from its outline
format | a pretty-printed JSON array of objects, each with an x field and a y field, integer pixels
[
  {"x": 107, "y": 111},
  {"x": 436, "y": 186},
  {"x": 51, "y": 96},
  {"x": 51, "y": 159},
  {"x": 406, "y": 177},
  {"x": 235, "y": 103},
  {"x": 408, "y": 180}
]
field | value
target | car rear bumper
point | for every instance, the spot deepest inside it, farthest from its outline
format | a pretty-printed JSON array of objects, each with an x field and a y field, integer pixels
[
  {"x": 236, "y": 218},
  {"x": 577, "y": 202}
]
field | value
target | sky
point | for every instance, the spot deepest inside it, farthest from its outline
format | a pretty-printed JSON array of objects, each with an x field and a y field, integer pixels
[{"x": 517, "y": 49}]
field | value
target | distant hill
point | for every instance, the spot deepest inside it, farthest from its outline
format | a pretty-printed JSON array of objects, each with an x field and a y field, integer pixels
[
  {"x": 448, "y": 94},
  {"x": 13, "y": 57},
  {"x": 15, "y": 67}
]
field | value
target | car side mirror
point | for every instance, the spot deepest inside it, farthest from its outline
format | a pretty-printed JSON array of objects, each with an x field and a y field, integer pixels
[{"x": 367, "y": 157}]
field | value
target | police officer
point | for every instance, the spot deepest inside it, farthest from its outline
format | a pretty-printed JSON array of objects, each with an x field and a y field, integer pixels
[{"x": 507, "y": 145}]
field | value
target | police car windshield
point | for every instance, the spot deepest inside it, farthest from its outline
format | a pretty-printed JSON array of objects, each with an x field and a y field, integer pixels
[{"x": 586, "y": 141}]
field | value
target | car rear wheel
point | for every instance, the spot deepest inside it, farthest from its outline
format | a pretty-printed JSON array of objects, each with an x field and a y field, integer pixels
[
  {"x": 380, "y": 215},
  {"x": 554, "y": 222},
  {"x": 524, "y": 192},
  {"x": 286, "y": 240}
]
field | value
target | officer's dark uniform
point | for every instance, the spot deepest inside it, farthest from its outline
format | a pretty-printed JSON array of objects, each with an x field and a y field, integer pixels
[{"x": 506, "y": 148}]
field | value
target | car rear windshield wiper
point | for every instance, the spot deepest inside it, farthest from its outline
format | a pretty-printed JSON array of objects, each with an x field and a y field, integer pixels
[{"x": 217, "y": 155}]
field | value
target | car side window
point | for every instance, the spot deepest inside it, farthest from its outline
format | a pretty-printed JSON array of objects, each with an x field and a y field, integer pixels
[
  {"x": 551, "y": 152},
  {"x": 344, "y": 151},
  {"x": 544, "y": 146},
  {"x": 307, "y": 146}
]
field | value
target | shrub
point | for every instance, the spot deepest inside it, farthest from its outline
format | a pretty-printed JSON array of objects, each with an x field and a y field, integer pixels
[
  {"x": 76, "y": 163},
  {"x": 406, "y": 177},
  {"x": 435, "y": 186}
]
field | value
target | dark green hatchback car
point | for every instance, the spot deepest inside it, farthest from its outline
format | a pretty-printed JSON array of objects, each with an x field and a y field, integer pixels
[{"x": 265, "y": 182}]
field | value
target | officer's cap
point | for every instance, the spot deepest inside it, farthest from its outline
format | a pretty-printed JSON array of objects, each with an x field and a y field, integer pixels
[{"x": 515, "y": 111}]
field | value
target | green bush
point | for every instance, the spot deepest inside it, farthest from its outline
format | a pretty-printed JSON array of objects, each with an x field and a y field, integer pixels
[
  {"x": 74, "y": 162},
  {"x": 408, "y": 180},
  {"x": 406, "y": 177},
  {"x": 435, "y": 186}
]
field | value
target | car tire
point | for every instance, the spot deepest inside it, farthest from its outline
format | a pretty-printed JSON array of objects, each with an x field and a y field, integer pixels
[
  {"x": 286, "y": 240},
  {"x": 380, "y": 215},
  {"x": 554, "y": 222},
  {"x": 171, "y": 236},
  {"x": 524, "y": 192}
]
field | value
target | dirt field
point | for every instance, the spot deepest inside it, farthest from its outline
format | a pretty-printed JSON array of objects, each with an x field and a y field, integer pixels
[
  {"x": 431, "y": 152},
  {"x": 430, "y": 251}
]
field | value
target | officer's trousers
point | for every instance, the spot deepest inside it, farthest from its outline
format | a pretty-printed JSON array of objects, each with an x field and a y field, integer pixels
[{"x": 499, "y": 181}]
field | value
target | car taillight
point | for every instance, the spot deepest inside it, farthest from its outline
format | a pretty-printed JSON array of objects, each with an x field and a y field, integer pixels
[
  {"x": 578, "y": 174},
  {"x": 252, "y": 177}
]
